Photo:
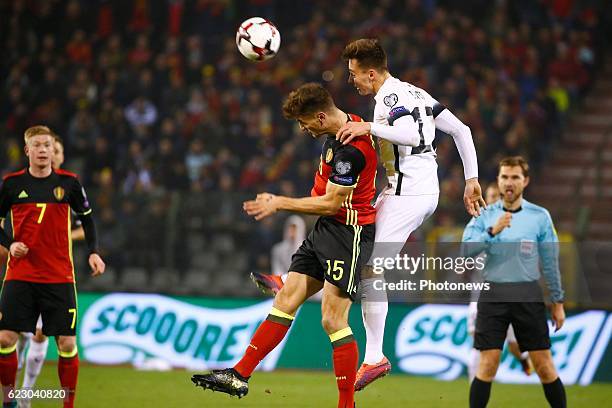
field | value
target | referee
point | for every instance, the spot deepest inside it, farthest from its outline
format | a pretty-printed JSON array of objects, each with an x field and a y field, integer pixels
[{"x": 518, "y": 237}]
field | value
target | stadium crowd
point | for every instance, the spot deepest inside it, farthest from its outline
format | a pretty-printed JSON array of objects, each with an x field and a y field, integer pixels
[{"x": 152, "y": 98}]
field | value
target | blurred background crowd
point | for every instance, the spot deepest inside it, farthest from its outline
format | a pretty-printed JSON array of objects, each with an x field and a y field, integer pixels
[{"x": 170, "y": 128}]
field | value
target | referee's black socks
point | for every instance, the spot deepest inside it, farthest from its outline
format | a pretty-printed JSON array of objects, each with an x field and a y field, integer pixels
[
  {"x": 555, "y": 394},
  {"x": 479, "y": 393}
]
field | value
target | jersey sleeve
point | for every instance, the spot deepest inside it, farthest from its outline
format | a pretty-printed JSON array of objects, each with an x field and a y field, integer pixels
[
  {"x": 5, "y": 204},
  {"x": 548, "y": 248},
  {"x": 436, "y": 107},
  {"x": 78, "y": 199},
  {"x": 348, "y": 162},
  {"x": 476, "y": 238}
]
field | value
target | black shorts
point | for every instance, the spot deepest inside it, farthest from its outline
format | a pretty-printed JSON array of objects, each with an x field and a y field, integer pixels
[
  {"x": 528, "y": 320},
  {"x": 22, "y": 302},
  {"x": 335, "y": 252}
]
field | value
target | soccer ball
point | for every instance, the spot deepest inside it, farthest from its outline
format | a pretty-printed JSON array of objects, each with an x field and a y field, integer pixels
[{"x": 258, "y": 39}]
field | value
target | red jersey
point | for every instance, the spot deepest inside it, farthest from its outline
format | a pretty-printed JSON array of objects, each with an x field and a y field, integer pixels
[
  {"x": 348, "y": 165},
  {"x": 41, "y": 219}
]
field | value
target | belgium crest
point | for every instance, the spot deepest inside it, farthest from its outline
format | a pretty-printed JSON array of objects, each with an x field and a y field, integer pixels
[{"x": 58, "y": 193}]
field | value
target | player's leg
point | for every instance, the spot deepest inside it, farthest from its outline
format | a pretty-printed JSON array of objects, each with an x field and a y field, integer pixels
[
  {"x": 474, "y": 358},
  {"x": 59, "y": 319},
  {"x": 22, "y": 347},
  {"x": 396, "y": 218},
  {"x": 269, "y": 334},
  {"x": 335, "y": 307},
  {"x": 8, "y": 361},
  {"x": 68, "y": 366},
  {"x": 35, "y": 359},
  {"x": 18, "y": 314}
]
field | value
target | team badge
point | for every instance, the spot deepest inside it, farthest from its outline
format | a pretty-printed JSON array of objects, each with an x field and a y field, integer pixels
[
  {"x": 329, "y": 155},
  {"x": 343, "y": 168},
  {"x": 390, "y": 100},
  {"x": 58, "y": 193}
]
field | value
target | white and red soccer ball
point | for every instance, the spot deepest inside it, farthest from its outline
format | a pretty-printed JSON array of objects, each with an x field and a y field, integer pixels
[{"x": 258, "y": 39}]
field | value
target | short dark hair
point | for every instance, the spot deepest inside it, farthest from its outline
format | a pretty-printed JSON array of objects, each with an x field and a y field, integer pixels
[
  {"x": 307, "y": 99},
  {"x": 368, "y": 52},
  {"x": 57, "y": 139},
  {"x": 513, "y": 161}
]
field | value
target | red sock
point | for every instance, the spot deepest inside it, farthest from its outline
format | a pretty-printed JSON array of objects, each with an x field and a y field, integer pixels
[
  {"x": 268, "y": 335},
  {"x": 346, "y": 358},
  {"x": 68, "y": 371},
  {"x": 8, "y": 372}
]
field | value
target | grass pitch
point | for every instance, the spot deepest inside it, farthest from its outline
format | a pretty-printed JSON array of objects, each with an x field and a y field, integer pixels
[{"x": 125, "y": 387}]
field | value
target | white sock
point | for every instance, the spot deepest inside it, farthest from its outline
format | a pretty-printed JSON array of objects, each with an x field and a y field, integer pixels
[
  {"x": 473, "y": 364},
  {"x": 374, "y": 307},
  {"x": 22, "y": 345},
  {"x": 34, "y": 362}
]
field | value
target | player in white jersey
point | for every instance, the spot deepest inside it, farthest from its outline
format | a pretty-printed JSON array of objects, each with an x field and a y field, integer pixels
[{"x": 405, "y": 121}]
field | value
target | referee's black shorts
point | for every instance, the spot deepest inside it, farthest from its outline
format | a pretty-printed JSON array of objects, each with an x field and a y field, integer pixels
[
  {"x": 528, "y": 318},
  {"x": 335, "y": 252}
]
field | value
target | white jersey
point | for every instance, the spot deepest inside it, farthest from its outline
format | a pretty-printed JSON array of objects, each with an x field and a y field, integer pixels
[{"x": 410, "y": 170}]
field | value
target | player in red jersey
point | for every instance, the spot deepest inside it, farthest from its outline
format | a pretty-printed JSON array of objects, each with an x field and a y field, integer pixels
[
  {"x": 32, "y": 349},
  {"x": 40, "y": 274},
  {"x": 332, "y": 255}
]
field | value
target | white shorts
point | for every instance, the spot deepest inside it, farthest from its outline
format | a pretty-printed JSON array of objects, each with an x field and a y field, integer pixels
[{"x": 396, "y": 218}]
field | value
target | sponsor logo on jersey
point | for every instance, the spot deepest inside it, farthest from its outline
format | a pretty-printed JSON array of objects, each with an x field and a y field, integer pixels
[
  {"x": 433, "y": 340},
  {"x": 329, "y": 155},
  {"x": 390, "y": 100},
  {"x": 343, "y": 167},
  {"x": 58, "y": 193},
  {"x": 23, "y": 194},
  {"x": 137, "y": 328}
]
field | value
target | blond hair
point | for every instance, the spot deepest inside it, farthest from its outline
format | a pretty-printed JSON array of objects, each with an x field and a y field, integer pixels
[{"x": 37, "y": 131}]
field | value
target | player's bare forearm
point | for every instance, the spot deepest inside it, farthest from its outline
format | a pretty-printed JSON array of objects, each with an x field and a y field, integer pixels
[
  {"x": 267, "y": 204},
  {"x": 323, "y": 205}
]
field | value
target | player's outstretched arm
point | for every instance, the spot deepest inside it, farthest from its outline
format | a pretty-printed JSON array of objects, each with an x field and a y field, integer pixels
[
  {"x": 267, "y": 204},
  {"x": 405, "y": 131},
  {"x": 462, "y": 136}
]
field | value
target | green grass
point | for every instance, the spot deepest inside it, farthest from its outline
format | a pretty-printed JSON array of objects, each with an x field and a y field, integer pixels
[{"x": 125, "y": 387}]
